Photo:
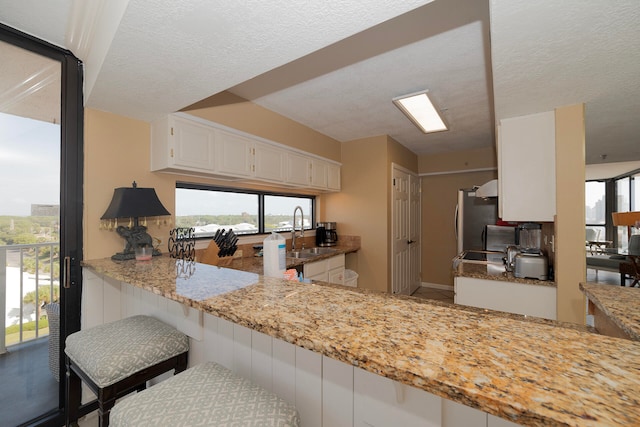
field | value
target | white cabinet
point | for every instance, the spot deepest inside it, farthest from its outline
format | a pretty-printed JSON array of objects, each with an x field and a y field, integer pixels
[
  {"x": 333, "y": 177},
  {"x": 197, "y": 147},
  {"x": 318, "y": 174},
  {"x": 327, "y": 270},
  {"x": 234, "y": 155},
  {"x": 182, "y": 145},
  {"x": 510, "y": 297},
  {"x": 527, "y": 168},
  {"x": 298, "y": 167},
  {"x": 269, "y": 162},
  {"x": 379, "y": 401}
]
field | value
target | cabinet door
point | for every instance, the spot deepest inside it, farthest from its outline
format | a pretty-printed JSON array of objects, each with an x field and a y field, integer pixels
[
  {"x": 269, "y": 162},
  {"x": 298, "y": 169},
  {"x": 333, "y": 177},
  {"x": 379, "y": 401},
  {"x": 316, "y": 271},
  {"x": 318, "y": 174},
  {"x": 234, "y": 155},
  {"x": 193, "y": 145},
  {"x": 510, "y": 297},
  {"x": 527, "y": 167}
]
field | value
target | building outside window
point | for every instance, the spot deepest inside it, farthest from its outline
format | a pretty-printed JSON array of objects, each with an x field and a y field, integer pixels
[{"x": 208, "y": 209}]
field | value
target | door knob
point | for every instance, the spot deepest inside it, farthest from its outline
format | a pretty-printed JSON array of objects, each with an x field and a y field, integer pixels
[{"x": 410, "y": 241}]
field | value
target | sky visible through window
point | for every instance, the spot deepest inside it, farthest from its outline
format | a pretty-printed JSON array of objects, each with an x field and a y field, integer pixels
[{"x": 29, "y": 164}]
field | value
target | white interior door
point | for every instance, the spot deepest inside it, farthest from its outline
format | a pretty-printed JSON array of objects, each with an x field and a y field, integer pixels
[
  {"x": 415, "y": 279},
  {"x": 405, "y": 235}
]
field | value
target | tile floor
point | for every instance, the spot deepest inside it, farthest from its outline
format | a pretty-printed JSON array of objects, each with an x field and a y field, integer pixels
[{"x": 433, "y": 293}]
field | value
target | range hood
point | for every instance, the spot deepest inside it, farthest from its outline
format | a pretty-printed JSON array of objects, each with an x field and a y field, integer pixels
[{"x": 489, "y": 189}]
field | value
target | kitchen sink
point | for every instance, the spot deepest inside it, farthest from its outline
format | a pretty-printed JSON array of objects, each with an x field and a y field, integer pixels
[
  {"x": 319, "y": 251},
  {"x": 300, "y": 254},
  {"x": 310, "y": 252}
]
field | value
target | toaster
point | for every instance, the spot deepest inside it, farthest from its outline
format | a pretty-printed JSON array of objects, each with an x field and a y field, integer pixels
[{"x": 531, "y": 266}]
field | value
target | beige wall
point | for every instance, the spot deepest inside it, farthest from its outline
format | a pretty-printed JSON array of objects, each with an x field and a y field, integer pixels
[
  {"x": 570, "y": 254},
  {"x": 361, "y": 208},
  {"x": 117, "y": 153},
  {"x": 439, "y": 199},
  {"x": 235, "y": 112}
]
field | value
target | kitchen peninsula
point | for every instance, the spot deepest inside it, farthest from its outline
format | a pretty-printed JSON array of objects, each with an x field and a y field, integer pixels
[
  {"x": 488, "y": 285},
  {"x": 616, "y": 309},
  {"x": 347, "y": 344}
]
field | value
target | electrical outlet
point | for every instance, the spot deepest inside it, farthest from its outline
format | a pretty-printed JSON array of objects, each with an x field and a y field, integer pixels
[{"x": 238, "y": 253}]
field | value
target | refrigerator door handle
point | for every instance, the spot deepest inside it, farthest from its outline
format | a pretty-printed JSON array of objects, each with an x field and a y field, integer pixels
[
  {"x": 456, "y": 222},
  {"x": 483, "y": 237}
]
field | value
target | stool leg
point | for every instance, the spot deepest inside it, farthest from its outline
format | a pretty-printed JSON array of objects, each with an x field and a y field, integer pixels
[
  {"x": 104, "y": 409},
  {"x": 74, "y": 394}
]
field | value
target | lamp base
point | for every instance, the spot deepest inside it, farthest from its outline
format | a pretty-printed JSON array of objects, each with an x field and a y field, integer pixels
[{"x": 123, "y": 256}]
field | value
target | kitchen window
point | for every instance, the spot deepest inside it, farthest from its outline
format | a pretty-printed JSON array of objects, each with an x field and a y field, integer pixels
[{"x": 208, "y": 208}]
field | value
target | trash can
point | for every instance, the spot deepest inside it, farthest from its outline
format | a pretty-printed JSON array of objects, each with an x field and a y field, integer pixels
[{"x": 351, "y": 278}]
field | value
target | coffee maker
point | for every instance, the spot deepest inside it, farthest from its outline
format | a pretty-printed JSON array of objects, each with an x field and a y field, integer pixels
[{"x": 326, "y": 234}]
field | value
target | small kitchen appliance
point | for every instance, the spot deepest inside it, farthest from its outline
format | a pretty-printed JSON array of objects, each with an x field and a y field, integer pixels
[
  {"x": 528, "y": 237},
  {"x": 530, "y": 262},
  {"x": 326, "y": 234},
  {"x": 531, "y": 266}
]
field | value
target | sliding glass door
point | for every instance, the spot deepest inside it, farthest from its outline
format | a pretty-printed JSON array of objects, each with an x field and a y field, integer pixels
[{"x": 40, "y": 223}]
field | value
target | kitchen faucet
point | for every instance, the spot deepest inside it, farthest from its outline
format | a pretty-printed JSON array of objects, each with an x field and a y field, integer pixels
[{"x": 293, "y": 230}]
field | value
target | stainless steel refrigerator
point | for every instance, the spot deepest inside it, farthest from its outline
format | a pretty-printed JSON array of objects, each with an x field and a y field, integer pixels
[{"x": 476, "y": 227}]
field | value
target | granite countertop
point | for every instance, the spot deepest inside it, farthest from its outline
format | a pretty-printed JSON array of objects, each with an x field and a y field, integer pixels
[
  {"x": 491, "y": 271},
  {"x": 620, "y": 304},
  {"x": 533, "y": 373}
]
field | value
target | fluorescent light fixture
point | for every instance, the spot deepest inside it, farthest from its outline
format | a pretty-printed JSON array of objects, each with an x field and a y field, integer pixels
[{"x": 421, "y": 111}]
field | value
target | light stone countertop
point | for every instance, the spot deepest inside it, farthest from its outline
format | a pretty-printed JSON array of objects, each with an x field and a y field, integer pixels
[
  {"x": 476, "y": 270},
  {"x": 620, "y": 304},
  {"x": 536, "y": 373}
]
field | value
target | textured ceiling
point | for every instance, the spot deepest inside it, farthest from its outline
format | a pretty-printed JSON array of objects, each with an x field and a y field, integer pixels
[
  {"x": 583, "y": 52},
  {"x": 335, "y": 65}
]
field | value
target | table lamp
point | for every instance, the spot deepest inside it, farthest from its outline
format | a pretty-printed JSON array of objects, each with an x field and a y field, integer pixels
[
  {"x": 133, "y": 203},
  {"x": 628, "y": 219}
]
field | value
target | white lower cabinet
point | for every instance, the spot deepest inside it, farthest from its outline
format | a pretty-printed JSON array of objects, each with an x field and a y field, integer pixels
[
  {"x": 327, "y": 270},
  {"x": 511, "y": 297},
  {"x": 455, "y": 414},
  {"x": 379, "y": 401},
  {"x": 326, "y": 392},
  {"x": 337, "y": 393}
]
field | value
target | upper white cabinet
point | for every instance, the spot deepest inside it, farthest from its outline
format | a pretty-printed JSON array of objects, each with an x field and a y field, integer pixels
[
  {"x": 318, "y": 173},
  {"x": 298, "y": 167},
  {"x": 333, "y": 177},
  {"x": 197, "y": 147},
  {"x": 234, "y": 155},
  {"x": 181, "y": 145},
  {"x": 269, "y": 162},
  {"x": 527, "y": 168}
]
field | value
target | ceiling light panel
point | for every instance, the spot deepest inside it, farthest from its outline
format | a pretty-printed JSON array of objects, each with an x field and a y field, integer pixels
[{"x": 421, "y": 111}]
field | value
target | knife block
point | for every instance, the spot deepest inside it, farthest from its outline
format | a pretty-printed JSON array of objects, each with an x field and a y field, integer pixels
[{"x": 210, "y": 256}]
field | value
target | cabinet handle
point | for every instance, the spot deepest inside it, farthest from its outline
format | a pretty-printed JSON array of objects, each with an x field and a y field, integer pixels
[
  {"x": 410, "y": 241},
  {"x": 171, "y": 152}
]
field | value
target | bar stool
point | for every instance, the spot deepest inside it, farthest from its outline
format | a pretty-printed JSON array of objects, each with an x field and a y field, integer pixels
[
  {"x": 205, "y": 395},
  {"x": 117, "y": 358}
]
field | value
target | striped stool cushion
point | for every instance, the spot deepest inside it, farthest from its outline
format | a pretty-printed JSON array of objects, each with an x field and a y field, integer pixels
[
  {"x": 206, "y": 395},
  {"x": 111, "y": 352}
]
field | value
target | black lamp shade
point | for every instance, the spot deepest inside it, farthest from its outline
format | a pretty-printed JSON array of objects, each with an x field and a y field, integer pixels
[{"x": 134, "y": 202}]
